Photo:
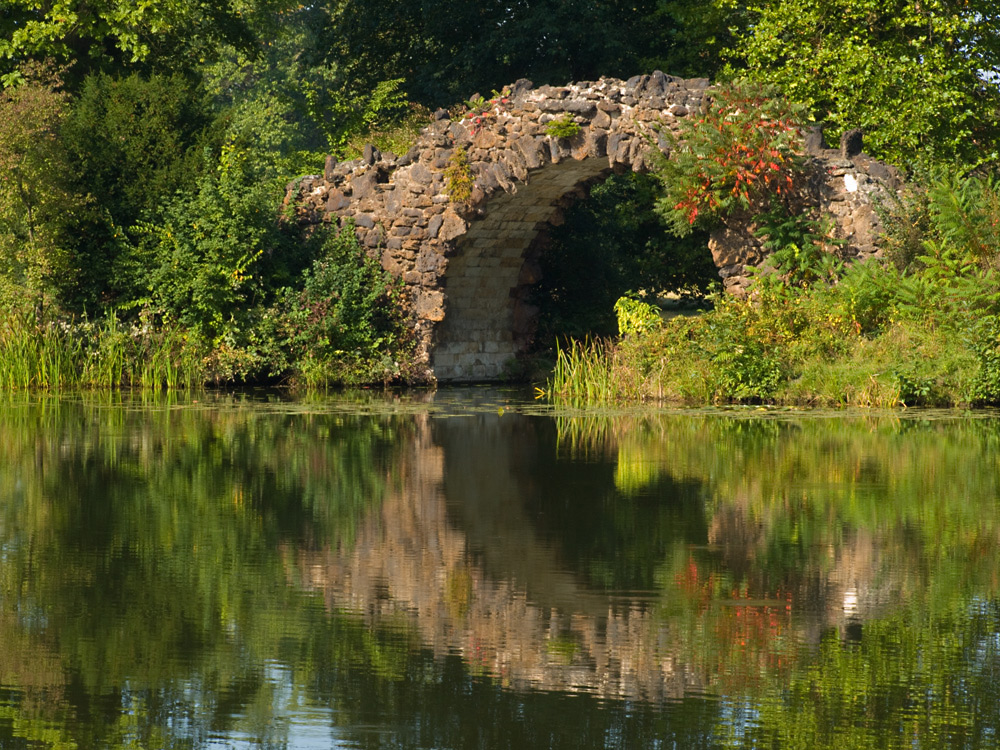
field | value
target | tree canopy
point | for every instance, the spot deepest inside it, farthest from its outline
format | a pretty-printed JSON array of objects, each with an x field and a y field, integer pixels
[
  {"x": 921, "y": 78},
  {"x": 113, "y": 35}
]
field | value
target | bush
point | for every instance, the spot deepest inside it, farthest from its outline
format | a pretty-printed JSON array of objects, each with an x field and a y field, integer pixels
[
  {"x": 458, "y": 176},
  {"x": 636, "y": 317},
  {"x": 741, "y": 156},
  {"x": 562, "y": 127},
  {"x": 202, "y": 263},
  {"x": 345, "y": 323}
]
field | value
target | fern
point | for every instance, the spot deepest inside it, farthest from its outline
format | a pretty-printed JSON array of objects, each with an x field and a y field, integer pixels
[{"x": 966, "y": 213}]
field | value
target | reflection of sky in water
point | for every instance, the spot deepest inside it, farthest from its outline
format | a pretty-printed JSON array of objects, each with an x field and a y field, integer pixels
[{"x": 289, "y": 720}]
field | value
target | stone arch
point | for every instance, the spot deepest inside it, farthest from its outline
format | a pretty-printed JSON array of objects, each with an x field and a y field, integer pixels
[{"x": 466, "y": 265}]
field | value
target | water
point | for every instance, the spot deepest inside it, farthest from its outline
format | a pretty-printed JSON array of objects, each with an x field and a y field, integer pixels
[{"x": 471, "y": 570}]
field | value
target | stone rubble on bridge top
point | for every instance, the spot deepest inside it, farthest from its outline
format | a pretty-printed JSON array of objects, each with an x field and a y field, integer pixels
[{"x": 476, "y": 259}]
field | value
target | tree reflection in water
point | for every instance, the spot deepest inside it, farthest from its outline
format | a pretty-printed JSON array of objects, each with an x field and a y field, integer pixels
[{"x": 247, "y": 573}]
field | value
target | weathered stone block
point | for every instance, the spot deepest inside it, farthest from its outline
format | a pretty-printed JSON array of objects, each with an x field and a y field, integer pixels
[
  {"x": 452, "y": 225},
  {"x": 336, "y": 201}
]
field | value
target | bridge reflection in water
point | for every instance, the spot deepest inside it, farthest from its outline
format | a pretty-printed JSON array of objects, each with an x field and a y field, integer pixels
[{"x": 466, "y": 552}]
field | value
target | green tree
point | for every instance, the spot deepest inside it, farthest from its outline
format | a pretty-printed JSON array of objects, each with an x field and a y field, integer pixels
[
  {"x": 446, "y": 50},
  {"x": 134, "y": 141},
  {"x": 137, "y": 139},
  {"x": 919, "y": 77},
  {"x": 114, "y": 35},
  {"x": 38, "y": 207}
]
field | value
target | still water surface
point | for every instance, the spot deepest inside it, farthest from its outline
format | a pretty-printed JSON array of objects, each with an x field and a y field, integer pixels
[{"x": 464, "y": 570}]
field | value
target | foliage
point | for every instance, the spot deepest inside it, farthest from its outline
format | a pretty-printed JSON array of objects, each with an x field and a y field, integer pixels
[
  {"x": 202, "y": 262},
  {"x": 458, "y": 176},
  {"x": 136, "y": 140},
  {"x": 546, "y": 41},
  {"x": 112, "y": 35},
  {"x": 39, "y": 208},
  {"x": 562, "y": 127},
  {"x": 915, "y": 76},
  {"x": 345, "y": 324},
  {"x": 867, "y": 335},
  {"x": 636, "y": 316},
  {"x": 482, "y": 112},
  {"x": 739, "y": 157},
  {"x": 984, "y": 340},
  {"x": 695, "y": 35},
  {"x": 800, "y": 248},
  {"x": 965, "y": 213},
  {"x": 906, "y": 222},
  {"x": 342, "y": 111},
  {"x": 396, "y": 135}
]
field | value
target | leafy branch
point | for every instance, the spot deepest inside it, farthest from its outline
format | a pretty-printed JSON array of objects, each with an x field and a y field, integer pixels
[{"x": 738, "y": 157}]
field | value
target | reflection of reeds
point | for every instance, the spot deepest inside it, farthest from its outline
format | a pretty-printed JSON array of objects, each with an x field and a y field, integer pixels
[{"x": 581, "y": 436}]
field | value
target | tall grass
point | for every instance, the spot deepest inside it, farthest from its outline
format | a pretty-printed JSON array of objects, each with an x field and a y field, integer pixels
[
  {"x": 584, "y": 373},
  {"x": 60, "y": 355}
]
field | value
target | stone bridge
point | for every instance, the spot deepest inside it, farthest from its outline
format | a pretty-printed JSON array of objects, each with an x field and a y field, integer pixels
[{"x": 469, "y": 264}]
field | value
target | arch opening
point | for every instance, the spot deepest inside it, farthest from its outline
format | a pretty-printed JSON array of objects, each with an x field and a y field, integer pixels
[
  {"x": 489, "y": 317},
  {"x": 519, "y": 277},
  {"x": 612, "y": 244}
]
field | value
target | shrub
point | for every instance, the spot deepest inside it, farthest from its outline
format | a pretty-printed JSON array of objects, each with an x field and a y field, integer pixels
[
  {"x": 800, "y": 246},
  {"x": 458, "y": 176},
  {"x": 342, "y": 111},
  {"x": 562, "y": 127},
  {"x": 740, "y": 156},
  {"x": 201, "y": 263},
  {"x": 482, "y": 112},
  {"x": 984, "y": 341},
  {"x": 345, "y": 323},
  {"x": 635, "y": 316}
]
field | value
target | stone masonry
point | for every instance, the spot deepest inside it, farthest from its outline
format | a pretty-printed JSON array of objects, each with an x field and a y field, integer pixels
[{"x": 468, "y": 265}]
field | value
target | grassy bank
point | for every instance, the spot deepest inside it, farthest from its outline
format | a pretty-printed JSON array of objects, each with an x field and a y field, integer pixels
[{"x": 919, "y": 328}]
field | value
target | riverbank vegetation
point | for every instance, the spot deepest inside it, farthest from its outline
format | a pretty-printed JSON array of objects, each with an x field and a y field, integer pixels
[
  {"x": 144, "y": 154},
  {"x": 920, "y": 327},
  {"x": 916, "y": 326}
]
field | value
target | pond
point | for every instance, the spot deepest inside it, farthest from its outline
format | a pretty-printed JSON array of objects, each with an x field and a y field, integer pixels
[{"x": 468, "y": 569}]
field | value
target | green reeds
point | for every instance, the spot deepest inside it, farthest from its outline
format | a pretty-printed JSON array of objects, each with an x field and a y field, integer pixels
[
  {"x": 33, "y": 356},
  {"x": 57, "y": 355},
  {"x": 584, "y": 373}
]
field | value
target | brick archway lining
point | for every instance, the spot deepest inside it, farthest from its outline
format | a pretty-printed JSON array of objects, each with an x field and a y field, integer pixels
[{"x": 484, "y": 327}]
